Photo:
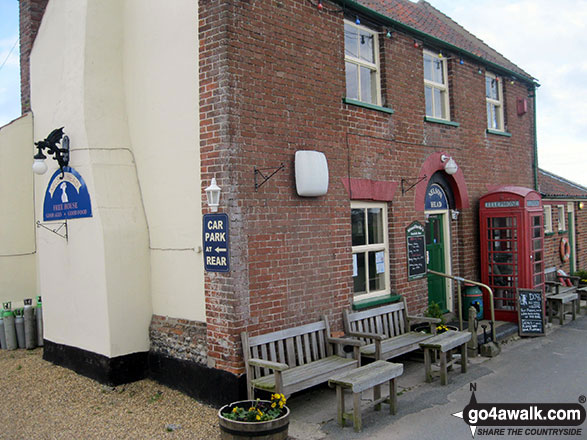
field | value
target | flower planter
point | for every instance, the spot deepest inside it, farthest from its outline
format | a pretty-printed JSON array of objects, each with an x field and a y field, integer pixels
[{"x": 276, "y": 429}]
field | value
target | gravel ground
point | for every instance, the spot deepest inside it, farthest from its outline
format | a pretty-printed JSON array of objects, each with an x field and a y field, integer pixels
[{"x": 39, "y": 400}]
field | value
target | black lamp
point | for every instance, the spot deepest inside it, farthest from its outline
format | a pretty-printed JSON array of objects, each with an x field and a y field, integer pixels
[{"x": 50, "y": 144}]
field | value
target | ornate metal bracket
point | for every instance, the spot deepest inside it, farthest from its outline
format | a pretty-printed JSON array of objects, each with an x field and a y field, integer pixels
[
  {"x": 418, "y": 180},
  {"x": 259, "y": 172},
  {"x": 56, "y": 230}
]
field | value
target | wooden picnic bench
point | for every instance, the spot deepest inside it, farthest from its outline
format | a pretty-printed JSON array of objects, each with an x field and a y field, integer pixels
[
  {"x": 444, "y": 343},
  {"x": 558, "y": 294},
  {"x": 386, "y": 330},
  {"x": 294, "y": 359},
  {"x": 362, "y": 379}
]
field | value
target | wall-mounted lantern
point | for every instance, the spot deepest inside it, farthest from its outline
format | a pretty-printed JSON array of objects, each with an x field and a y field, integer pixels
[
  {"x": 450, "y": 166},
  {"x": 213, "y": 195},
  {"x": 50, "y": 144}
]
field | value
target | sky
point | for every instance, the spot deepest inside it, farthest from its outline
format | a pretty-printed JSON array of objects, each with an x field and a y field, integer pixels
[{"x": 545, "y": 38}]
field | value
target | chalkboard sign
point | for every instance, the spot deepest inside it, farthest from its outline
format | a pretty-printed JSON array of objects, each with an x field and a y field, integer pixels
[
  {"x": 416, "y": 243},
  {"x": 531, "y": 312}
]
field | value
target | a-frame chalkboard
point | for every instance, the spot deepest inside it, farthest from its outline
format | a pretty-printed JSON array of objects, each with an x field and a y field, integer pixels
[{"x": 531, "y": 312}]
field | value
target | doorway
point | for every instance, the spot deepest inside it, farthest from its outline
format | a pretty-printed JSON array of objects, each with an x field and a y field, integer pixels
[{"x": 435, "y": 249}]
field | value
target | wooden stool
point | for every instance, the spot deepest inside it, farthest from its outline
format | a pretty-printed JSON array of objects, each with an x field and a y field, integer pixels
[
  {"x": 561, "y": 299},
  {"x": 363, "y": 378},
  {"x": 443, "y": 344}
]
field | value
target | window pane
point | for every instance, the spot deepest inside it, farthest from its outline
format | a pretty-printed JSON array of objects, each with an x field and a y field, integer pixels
[
  {"x": 438, "y": 71},
  {"x": 438, "y": 101},
  {"x": 367, "y": 85},
  {"x": 491, "y": 90},
  {"x": 351, "y": 41},
  {"x": 428, "y": 93},
  {"x": 375, "y": 219},
  {"x": 358, "y": 227},
  {"x": 359, "y": 281},
  {"x": 366, "y": 47},
  {"x": 428, "y": 75},
  {"x": 352, "y": 81},
  {"x": 376, "y": 270}
]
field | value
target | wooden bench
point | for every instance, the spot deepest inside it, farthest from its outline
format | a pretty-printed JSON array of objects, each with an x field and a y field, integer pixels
[
  {"x": 559, "y": 295},
  {"x": 386, "y": 330},
  {"x": 362, "y": 379},
  {"x": 444, "y": 343},
  {"x": 294, "y": 359}
]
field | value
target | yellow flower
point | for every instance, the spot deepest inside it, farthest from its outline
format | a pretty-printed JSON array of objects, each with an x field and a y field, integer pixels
[
  {"x": 235, "y": 409},
  {"x": 273, "y": 405},
  {"x": 252, "y": 408},
  {"x": 258, "y": 417}
]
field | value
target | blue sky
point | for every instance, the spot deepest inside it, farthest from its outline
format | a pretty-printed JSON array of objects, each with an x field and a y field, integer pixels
[
  {"x": 547, "y": 39},
  {"x": 10, "y": 72}
]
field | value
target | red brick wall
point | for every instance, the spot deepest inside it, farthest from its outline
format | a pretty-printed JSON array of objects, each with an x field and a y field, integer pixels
[
  {"x": 30, "y": 16},
  {"x": 272, "y": 82}
]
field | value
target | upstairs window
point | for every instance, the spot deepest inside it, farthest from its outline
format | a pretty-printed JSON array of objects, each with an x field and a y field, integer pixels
[
  {"x": 361, "y": 55},
  {"x": 494, "y": 97},
  {"x": 561, "y": 218},
  {"x": 436, "y": 86}
]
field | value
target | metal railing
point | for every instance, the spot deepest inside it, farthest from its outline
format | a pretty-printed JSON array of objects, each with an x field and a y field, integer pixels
[{"x": 463, "y": 280}]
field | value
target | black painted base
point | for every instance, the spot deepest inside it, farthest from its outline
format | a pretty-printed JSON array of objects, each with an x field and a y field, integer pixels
[
  {"x": 210, "y": 385},
  {"x": 110, "y": 371}
]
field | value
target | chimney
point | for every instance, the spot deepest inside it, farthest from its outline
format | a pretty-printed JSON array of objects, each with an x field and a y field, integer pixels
[{"x": 30, "y": 16}]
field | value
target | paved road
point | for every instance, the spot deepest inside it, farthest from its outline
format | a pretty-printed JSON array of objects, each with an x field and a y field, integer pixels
[{"x": 533, "y": 370}]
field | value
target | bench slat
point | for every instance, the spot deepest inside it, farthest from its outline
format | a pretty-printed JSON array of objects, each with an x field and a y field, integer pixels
[
  {"x": 368, "y": 376},
  {"x": 446, "y": 341},
  {"x": 397, "y": 345}
]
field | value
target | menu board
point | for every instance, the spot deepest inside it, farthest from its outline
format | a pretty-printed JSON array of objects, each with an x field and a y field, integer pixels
[
  {"x": 416, "y": 246},
  {"x": 530, "y": 312}
]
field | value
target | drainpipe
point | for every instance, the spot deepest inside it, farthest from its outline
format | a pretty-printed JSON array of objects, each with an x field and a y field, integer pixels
[{"x": 535, "y": 162}]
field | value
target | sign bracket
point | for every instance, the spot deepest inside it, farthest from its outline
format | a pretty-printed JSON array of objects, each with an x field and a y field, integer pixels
[
  {"x": 259, "y": 172},
  {"x": 59, "y": 227},
  {"x": 418, "y": 180}
]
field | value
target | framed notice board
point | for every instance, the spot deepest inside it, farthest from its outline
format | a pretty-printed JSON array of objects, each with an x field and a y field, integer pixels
[
  {"x": 416, "y": 248},
  {"x": 531, "y": 312}
]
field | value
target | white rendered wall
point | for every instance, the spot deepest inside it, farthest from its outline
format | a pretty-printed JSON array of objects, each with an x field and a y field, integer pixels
[
  {"x": 161, "y": 89},
  {"x": 96, "y": 285},
  {"x": 18, "y": 267},
  {"x": 122, "y": 77}
]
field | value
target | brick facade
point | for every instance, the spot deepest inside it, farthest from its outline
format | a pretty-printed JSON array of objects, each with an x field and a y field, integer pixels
[
  {"x": 178, "y": 338},
  {"x": 31, "y": 13},
  {"x": 272, "y": 79}
]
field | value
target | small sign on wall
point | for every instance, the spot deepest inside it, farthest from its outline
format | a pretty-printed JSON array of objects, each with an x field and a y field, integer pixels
[
  {"x": 66, "y": 196},
  {"x": 416, "y": 247},
  {"x": 216, "y": 243}
]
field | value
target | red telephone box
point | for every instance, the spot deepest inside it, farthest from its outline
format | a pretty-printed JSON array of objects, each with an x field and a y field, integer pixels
[{"x": 512, "y": 243}]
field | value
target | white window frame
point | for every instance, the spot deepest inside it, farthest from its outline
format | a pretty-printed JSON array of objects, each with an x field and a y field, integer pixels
[
  {"x": 495, "y": 105},
  {"x": 547, "y": 219},
  {"x": 373, "y": 247},
  {"x": 561, "y": 218},
  {"x": 376, "y": 67},
  {"x": 443, "y": 87}
]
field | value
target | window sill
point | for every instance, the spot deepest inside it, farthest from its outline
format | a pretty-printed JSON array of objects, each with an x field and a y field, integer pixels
[
  {"x": 371, "y": 302},
  {"x": 563, "y": 232},
  {"x": 548, "y": 234},
  {"x": 367, "y": 105},
  {"x": 441, "y": 121},
  {"x": 498, "y": 133}
]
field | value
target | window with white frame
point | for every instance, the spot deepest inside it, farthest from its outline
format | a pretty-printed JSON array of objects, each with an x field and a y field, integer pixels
[
  {"x": 547, "y": 219},
  {"x": 436, "y": 86},
  {"x": 494, "y": 98},
  {"x": 361, "y": 56},
  {"x": 370, "y": 249},
  {"x": 561, "y": 218}
]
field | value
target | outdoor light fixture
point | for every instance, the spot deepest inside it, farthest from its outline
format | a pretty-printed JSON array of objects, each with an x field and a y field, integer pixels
[
  {"x": 213, "y": 195},
  {"x": 454, "y": 213},
  {"x": 581, "y": 205},
  {"x": 450, "y": 166},
  {"x": 50, "y": 144}
]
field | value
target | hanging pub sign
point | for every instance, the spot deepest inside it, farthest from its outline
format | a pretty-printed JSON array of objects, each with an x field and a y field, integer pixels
[
  {"x": 530, "y": 312},
  {"x": 216, "y": 242},
  {"x": 435, "y": 198},
  {"x": 416, "y": 245},
  {"x": 66, "y": 196}
]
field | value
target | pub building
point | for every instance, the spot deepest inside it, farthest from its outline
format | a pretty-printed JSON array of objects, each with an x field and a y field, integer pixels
[{"x": 346, "y": 149}]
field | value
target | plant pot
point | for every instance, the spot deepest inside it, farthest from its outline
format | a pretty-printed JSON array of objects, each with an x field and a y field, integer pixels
[{"x": 275, "y": 429}]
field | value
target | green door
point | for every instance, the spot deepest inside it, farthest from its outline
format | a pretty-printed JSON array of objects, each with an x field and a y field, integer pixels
[
  {"x": 435, "y": 250},
  {"x": 571, "y": 228}
]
